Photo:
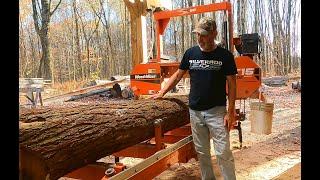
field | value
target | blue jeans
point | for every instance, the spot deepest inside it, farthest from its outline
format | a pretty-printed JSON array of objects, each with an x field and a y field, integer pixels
[{"x": 210, "y": 122}]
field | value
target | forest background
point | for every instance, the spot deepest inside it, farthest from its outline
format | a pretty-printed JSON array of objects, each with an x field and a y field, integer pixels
[{"x": 83, "y": 40}]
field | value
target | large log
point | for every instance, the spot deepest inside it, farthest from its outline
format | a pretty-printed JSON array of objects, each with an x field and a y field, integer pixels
[
  {"x": 80, "y": 96},
  {"x": 55, "y": 141},
  {"x": 275, "y": 81}
]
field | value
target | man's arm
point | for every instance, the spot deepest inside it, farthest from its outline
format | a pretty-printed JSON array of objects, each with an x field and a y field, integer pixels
[
  {"x": 231, "y": 79},
  {"x": 230, "y": 118},
  {"x": 174, "y": 79}
]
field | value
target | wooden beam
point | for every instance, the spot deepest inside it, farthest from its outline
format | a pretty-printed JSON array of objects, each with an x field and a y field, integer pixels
[{"x": 138, "y": 11}]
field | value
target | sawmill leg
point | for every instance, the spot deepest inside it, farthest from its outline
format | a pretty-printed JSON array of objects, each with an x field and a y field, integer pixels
[
  {"x": 159, "y": 135},
  {"x": 239, "y": 117},
  {"x": 240, "y": 133},
  {"x": 116, "y": 159}
]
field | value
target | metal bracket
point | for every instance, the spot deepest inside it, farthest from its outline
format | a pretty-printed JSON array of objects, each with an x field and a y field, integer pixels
[
  {"x": 159, "y": 134},
  {"x": 129, "y": 173}
]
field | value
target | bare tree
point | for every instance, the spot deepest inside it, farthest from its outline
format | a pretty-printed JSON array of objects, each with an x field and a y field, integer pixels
[
  {"x": 77, "y": 39},
  {"x": 105, "y": 22},
  {"x": 182, "y": 30},
  {"x": 239, "y": 16},
  {"x": 103, "y": 26},
  {"x": 41, "y": 16},
  {"x": 191, "y": 25},
  {"x": 87, "y": 35}
]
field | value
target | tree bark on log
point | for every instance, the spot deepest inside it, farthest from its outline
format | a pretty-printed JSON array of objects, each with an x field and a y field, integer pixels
[{"x": 54, "y": 141}]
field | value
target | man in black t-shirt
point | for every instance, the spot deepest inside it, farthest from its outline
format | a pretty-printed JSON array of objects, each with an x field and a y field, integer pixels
[{"x": 209, "y": 66}]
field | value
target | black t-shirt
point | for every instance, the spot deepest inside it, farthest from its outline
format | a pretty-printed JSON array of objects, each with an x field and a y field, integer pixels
[{"x": 208, "y": 71}]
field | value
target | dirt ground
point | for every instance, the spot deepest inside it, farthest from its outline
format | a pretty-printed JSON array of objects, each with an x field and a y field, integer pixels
[{"x": 273, "y": 156}]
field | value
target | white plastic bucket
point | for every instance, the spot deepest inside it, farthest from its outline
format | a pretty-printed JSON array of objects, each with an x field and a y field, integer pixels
[{"x": 261, "y": 117}]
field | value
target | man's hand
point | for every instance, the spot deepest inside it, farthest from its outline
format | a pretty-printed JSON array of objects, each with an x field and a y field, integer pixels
[
  {"x": 159, "y": 95},
  {"x": 173, "y": 80},
  {"x": 229, "y": 120}
]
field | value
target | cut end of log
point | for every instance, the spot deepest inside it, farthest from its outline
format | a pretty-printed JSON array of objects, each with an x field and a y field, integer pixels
[{"x": 31, "y": 167}]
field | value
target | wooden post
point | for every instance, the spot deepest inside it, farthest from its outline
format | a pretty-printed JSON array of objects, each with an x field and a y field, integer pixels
[{"x": 138, "y": 30}]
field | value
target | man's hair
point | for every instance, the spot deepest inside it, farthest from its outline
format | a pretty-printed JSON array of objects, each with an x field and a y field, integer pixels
[{"x": 204, "y": 25}]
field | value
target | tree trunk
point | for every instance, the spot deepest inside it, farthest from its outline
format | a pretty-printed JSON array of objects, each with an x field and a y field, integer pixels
[
  {"x": 73, "y": 59},
  {"x": 107, "y": 61},
  {"x": 23, "y": 59},
  {"x": 193, "y": 40},
  {"x": 182, "y": 30},
  {"x": 239, "y": 16},
  {"x": 175, "y": 38},
  {"x": 103, "y": 51},
  {"x": 56, "y": 141},
  {"x": 243, "y": 15},
  {"x": 68, "y": 64},
  {"x": 123, "y": 58},
  {"x": 41, "y": 23},
  {"x": 127, "y": 46},
  {"x": 79, "y": 60},
  {"x": 33, "y": 55},
  {"x": 110, "y": 45},
  {"x": 213, "y": 15},
  {"x": 44, "y": 68},
  {"x": 288, "y": 54},
  {"x": 200, "y": 2},
  {"x": 257, "y": 27},
  {"x": 88, "y": 72},
  {"x": 256, "y": 16}
]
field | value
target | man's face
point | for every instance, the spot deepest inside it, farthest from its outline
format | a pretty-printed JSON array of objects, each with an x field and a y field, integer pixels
[{"x": 206, "y": 42}]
